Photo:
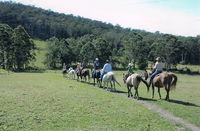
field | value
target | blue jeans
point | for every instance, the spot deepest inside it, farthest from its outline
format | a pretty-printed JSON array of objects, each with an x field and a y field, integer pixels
[{"x": 153, "y": 75}]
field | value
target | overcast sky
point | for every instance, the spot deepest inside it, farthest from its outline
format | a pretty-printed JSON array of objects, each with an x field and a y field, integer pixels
[{"x": 178, "y": 17}]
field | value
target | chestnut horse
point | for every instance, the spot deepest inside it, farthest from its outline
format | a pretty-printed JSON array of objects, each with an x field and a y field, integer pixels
[
  {"x": 86, "y": 74},
  {"x": 166, "y": 80}
]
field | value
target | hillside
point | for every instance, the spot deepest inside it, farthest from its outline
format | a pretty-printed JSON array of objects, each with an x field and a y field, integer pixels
[
  {"x": 87, "y": 39},
  {"x": 48, "y": 23}
]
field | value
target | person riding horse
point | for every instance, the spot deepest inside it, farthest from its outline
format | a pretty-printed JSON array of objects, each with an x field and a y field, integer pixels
[
  {"x": 84, "y": 65},
  {"x": 130, "y": 69},
  {"x": 96, "y": 71},
  {"x": 157, "y": 69},
  {"x": 96, "y": 64},
  {"x": 106, "y": 68}
]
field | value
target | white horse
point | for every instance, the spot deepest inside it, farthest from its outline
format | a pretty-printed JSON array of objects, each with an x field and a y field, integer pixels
[
  {"x": 71, "y": 73},
  {"x": 134, "y": 81},
  {"x": 110, "y": 77}
]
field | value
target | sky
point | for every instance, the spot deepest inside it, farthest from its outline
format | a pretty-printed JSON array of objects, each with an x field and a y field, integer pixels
[{"x": 177, "y": 17}]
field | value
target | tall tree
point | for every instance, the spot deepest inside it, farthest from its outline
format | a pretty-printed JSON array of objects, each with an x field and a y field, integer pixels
[
  {"x": 23, "y": 47},
  {"x": 6, "y": 48}
]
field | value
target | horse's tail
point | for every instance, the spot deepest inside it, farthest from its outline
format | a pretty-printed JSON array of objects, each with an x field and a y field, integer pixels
[
  {"x": 139, "y": 78},
  {"x": 174, "y": 81},
  {"x": 114, "y": 79}
]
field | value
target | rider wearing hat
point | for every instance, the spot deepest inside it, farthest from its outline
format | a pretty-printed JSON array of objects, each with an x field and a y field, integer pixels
[
  {"x": 130, "y": 69},
  {"x": 157, "y": 69},
  {"x": 96, "y": 64}
]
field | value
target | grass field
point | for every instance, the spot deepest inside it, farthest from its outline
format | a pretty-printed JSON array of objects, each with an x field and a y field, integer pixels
[
  {"x": 47, "y": 101},
  {"x": 185, "y": 99}
]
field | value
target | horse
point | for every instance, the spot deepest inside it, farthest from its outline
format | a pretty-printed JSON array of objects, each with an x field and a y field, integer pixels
[
  {"x": 166, "y": 80},
  {"x": 85, "y": 73},
  {"x": 71, "y": 73},
  {"x": 78, "y": 73},
  {"x": 133, "y": 80},
  {"x": 110, "y": 77},
  {"x": 96, "y": 75}
]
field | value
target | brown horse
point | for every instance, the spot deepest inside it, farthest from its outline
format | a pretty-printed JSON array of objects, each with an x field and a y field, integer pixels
[
  {"x": 86, "y": 74},
  {"x": 167, "y": 80}
]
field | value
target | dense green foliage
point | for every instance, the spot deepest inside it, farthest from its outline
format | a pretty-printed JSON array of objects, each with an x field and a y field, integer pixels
[
  {"x": 16, "y": 49},
  {"x": 72, "y": 39}
]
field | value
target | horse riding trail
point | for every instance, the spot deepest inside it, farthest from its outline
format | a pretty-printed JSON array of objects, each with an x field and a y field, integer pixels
[{"x": 166, "y": 114}]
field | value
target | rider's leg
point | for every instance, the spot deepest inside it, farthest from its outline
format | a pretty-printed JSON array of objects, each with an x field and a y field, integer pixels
[{"x": 151, "y": 77}]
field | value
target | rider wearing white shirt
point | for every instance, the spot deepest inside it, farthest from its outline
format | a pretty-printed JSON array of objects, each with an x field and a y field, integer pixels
[
  {"x": 157, "y": 69},
  {"x": 106, "y": 68}
]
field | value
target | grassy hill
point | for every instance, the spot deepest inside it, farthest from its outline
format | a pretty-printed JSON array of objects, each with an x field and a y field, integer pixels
[{"x": 40, "y": 54}]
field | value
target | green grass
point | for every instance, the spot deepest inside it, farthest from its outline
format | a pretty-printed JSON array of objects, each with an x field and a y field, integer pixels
[
  {"x": 47, "y": 101},
  {"x": 185, "y": 99},
  {"x": 40, "y": 54}
]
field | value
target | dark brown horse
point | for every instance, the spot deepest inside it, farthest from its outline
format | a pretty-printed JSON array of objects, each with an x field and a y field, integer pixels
[
  {"x": 96, "y": 75},
  {"x": 166, "y": 80},
  {"x": 86, "y": 74}
]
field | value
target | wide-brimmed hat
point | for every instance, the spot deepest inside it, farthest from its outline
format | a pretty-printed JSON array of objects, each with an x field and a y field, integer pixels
[{"x": 158, "y": 59}]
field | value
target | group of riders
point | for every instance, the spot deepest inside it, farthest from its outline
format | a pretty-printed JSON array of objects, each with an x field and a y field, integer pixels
[
  {"x": 96, "y": 66},
  {"x": 157, "y": 69}
]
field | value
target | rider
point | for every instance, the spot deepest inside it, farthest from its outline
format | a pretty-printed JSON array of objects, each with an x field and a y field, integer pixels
[
  {"x": 106, "y": 68},
  {"x": 96, "y": 64},
  {"x": 157, "y": 69},
  {"x": 84, "y": 65},
  {"x": 130, "y": 69}
]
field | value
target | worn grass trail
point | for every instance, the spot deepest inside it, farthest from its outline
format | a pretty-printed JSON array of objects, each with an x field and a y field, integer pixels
[{"x": 47, "y": 101}]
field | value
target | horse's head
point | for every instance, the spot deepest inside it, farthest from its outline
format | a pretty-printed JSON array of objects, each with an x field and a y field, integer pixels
[
  {"x": 125, "y": 76},
  {"x": 146, "y": 74}
]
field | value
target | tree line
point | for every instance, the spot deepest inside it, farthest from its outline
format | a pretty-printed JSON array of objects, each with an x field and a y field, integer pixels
[{"x": 72, "y": 39}]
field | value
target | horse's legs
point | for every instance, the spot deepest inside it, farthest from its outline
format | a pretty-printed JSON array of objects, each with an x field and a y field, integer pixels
[
  {"x": 167, "y": 88},
  {"x": 131, "y": 92},
  {"x": 114, "y": 85},
  {"x": 111, "y": 85},
  {"x": 137, "y": 92},
  {"x": 152, "y": 91},
  {"x": 128, "y": 91},
  {"x": 159, "y": 92},
  {"x": 94, "y": 81}
]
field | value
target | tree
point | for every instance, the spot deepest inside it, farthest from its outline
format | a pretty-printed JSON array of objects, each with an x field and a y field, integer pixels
[
  {"x": 52, "y": 55},
  {"x": 6, "y": 48},
  {"x": 102, "y": 49},
  {"x": 23, "y": 48}
]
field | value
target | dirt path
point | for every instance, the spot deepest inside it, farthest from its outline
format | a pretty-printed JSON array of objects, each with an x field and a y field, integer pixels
[{"x": 168, "y": 115}]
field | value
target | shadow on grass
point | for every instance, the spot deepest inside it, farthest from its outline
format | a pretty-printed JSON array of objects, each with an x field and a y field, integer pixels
[
  {"x": 117, "y": 91},
  {"x": 147, "y": 99},
  {"x": 183, "y": 103}
]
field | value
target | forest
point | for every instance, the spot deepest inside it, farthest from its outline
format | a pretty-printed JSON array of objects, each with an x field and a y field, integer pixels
[{"x": 72, "y": 39}]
